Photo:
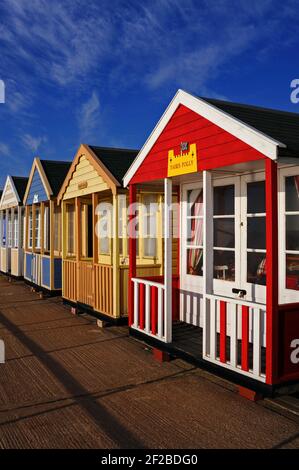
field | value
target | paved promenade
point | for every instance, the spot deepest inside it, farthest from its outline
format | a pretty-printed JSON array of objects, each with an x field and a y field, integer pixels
[{"x": 67, "y": 383}]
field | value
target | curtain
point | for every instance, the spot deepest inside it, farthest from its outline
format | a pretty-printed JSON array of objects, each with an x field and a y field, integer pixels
[{"x": 195, "y": 255}]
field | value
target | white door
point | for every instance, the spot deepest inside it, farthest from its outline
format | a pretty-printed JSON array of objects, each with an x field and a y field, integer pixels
[
  {"x": 191, "y": 247},
  {"x": 239, "y": 237}
]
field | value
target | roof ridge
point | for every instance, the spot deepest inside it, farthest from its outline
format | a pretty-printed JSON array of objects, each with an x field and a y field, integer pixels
[
  {"x": 250, "y": 106},
  {"x": 113, "y": 148}
]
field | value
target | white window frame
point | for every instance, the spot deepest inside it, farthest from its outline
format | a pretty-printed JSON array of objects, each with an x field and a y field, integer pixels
[
  {"x": 9, "y": 230},
  {"x": 30, "y": 228},
  {"x": 15, "y": 229},
  {"x": 37, "y": 228},
  {"x": 193, "y": 281},
  {"x": 285, "y": 295}
]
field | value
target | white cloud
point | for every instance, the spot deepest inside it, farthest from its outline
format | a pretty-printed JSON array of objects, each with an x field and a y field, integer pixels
[
  {"x": 89, "y": 117},
  {"x": 33, "y": 143},
  {"x": 4, "y": 149}
]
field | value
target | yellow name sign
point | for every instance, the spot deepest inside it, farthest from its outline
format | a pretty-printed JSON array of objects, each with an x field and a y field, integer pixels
[{"x": 183, "y": 163}]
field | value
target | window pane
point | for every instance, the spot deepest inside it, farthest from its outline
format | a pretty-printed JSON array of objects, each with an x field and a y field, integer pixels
[
  {"x": 195, "y": 232},
  {"x": 292, "y": 272},
  {"x": 194, "y": 261},
  {"x": 224, "y": 200},
  {"x": 256, "y": 268},
  {"x": 292, "y": 193},
  {"x": 292, "y": 235},
  {"x": 256, "y": 197},
  {"x": 195, "y": 202},
  {"x": 149, "y": 245},
  {"x": 224, "y": 233},
  {"x": 224, "y": 265},
  {"x": 256, "y": 232}
]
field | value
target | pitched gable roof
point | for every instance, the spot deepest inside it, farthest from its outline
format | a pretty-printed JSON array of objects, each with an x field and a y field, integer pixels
[
  {"x": 270, "y": 132},
  {"x": 20, "y": 185},
  {"x": 55, "y": 172},
  {"x": 118, "y": 161},
  {"x": 109, "y": 163}
]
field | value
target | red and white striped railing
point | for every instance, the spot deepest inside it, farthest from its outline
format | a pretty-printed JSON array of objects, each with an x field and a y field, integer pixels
[
  {"x": 149, "y": 309},
  {"x": 234, "y": 335}
]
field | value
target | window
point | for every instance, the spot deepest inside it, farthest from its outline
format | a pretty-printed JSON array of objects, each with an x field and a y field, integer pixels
[
  {"x": 70, "y": 213},
  {"x": 194, "y": 243},
  {"x": 148, "y": 226},
  {"x": 122, "y": 226},
  {"x": 9, "y": 232},
  {"x": 224, "y": 232},
  {"x": 37, "y": 229},
  {"x": 292, "y": 232},
  {"x": 256, "y": 233},
  {"x": 15, "y": 230},
  {"x": 57, "y": 229},
  {"x": 30, "y": 231},
  {"x": 46, "y": 240},
  {"x": 105, "y": 228}
]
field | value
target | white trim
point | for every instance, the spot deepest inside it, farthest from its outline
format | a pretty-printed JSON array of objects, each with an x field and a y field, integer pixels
[
  {"x": 168, "y": 259},
  {"x": 285, "y": 295},
  {"x": 251, "y": 136}
]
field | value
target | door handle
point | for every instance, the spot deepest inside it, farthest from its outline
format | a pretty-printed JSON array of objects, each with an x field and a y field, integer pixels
[{"x": 240, "y": 292}]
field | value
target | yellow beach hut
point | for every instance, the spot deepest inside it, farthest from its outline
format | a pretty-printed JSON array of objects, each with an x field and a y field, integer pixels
[{"x": 95, "y": 267}]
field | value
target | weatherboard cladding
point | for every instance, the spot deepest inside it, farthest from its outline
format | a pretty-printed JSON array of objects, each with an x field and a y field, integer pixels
[
  {"x": 117, "y": 161},
  {"x": 215, "y": 147},
  {"x": 55, "y": 173},
  {"x": 37, "y": 192}
]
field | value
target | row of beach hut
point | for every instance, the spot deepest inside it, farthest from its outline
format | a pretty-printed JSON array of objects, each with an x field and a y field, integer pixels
[{"x": 213, "y": 272}]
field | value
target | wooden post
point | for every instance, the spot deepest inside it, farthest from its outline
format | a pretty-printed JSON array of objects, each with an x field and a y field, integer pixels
[
  {"x": 271, "y": 272},
  {"x": 168, "y": 258},
  {"x": 115, "y": 256},
  {"x": 95, "y": 201},
  {"x": 132, "y": 253},
  {"x": 207, "y": 255},
  {"x": 78, "y": 241},
  {"x": 20, "y": 250}
]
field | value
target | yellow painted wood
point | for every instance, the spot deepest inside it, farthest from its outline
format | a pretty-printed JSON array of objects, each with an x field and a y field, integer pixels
[{"x": 86, "y": 176}]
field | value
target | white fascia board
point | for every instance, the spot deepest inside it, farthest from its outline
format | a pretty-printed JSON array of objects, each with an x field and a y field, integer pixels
[{"x": 254, "y": 138}]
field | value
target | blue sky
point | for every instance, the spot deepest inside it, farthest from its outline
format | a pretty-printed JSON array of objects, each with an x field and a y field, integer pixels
[{"x": 102, "y": 72}]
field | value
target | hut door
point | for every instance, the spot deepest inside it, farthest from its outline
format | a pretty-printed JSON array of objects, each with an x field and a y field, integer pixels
[
  {"x": 239, "y": 237},
  {"x": 191, "y": 281}
]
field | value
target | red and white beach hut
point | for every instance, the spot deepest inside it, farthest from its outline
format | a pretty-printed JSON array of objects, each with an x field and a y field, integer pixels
[{"x": 233, "y": 305}]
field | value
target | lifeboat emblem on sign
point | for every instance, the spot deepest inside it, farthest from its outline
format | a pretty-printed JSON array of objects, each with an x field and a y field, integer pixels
[{"x": 185, "y": 162}]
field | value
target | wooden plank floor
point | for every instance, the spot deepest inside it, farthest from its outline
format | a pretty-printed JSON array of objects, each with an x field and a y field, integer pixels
[
  {"x": 188, "y": 339},
  {"x": 67, "y": 383}
]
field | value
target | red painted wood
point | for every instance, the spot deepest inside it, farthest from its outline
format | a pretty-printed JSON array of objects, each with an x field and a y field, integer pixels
[
  {"x": 271, "y": 272},
  {"x": 141, "y": 306},
  {"x": 161, "y": 356},
  {"x": 222, "y": 331},
  {"x": 251, "y": 395},
  {"x": 215, "y": 147},
  {"x": 245, "y": 338},
  {"x": 132, "y": 257},
  {"x": 154, "y": 309}
]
